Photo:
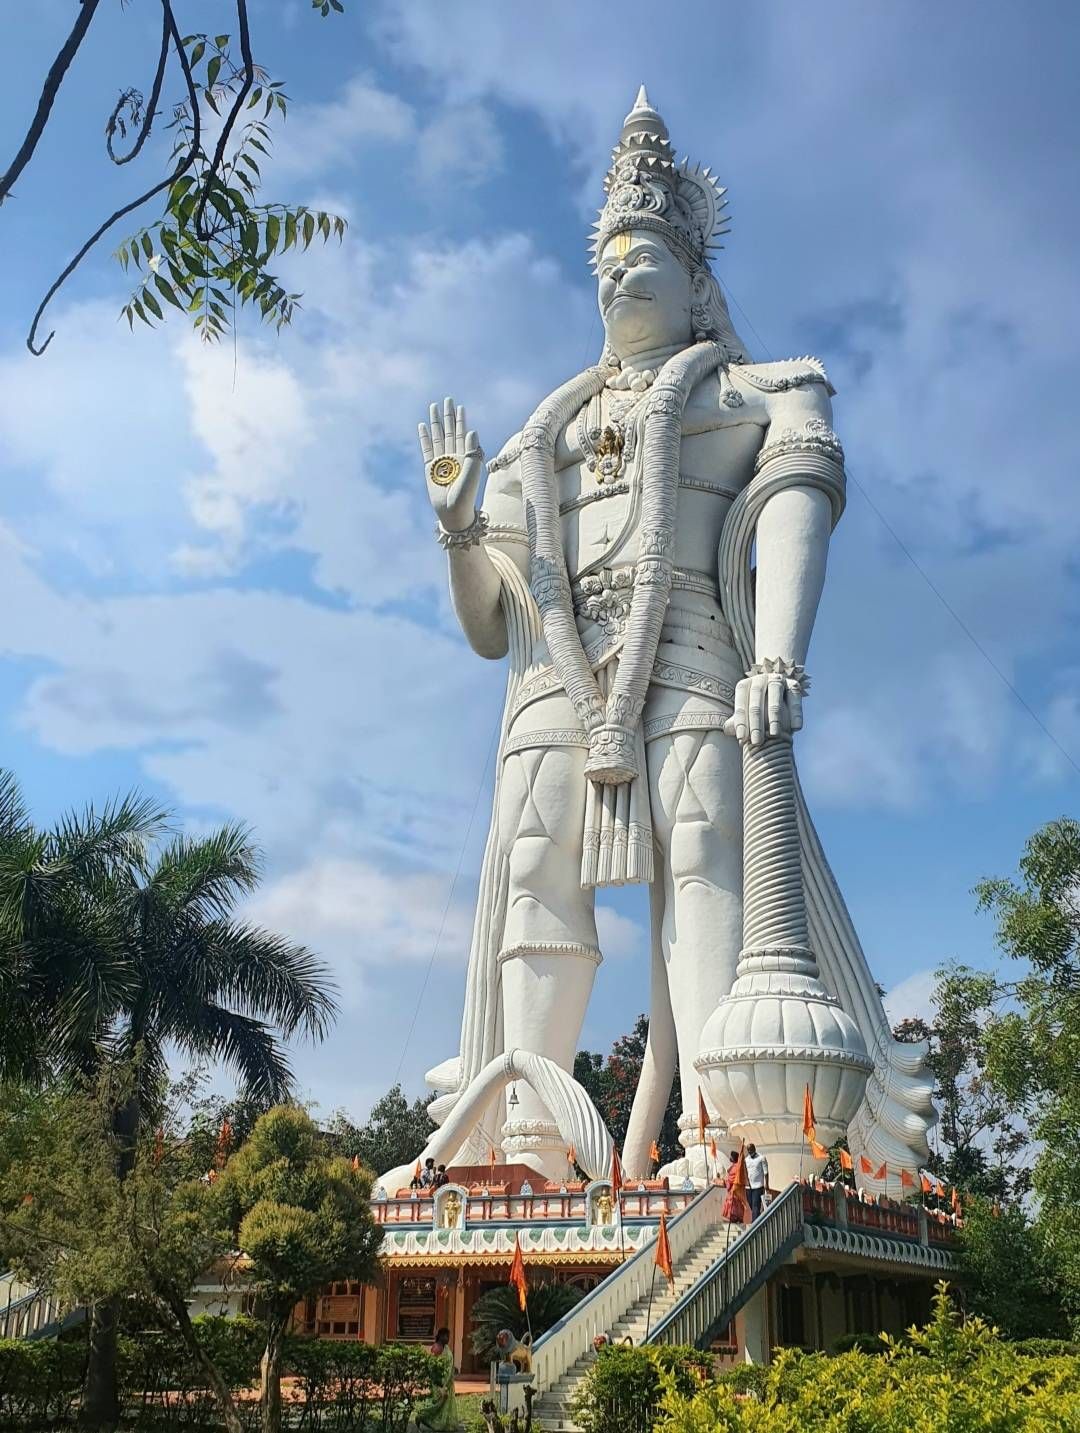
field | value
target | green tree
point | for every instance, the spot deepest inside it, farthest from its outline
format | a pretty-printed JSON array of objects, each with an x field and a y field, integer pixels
[
  {"x": 984, "y": 1144},
  {"x": 500, "y": 1309},
  {"x": 68, "y": 1225},
  {"x": 1034, "y": 1047},
  {"x": 303, "y": 1219},
  {"x": 611, "y": 1084},
  {"x": 395, "y": 1132},
  {"x": 137, "y": 948},
  {"x": 212, "y": 247},
  {"x": 1005, "y": 1273}
]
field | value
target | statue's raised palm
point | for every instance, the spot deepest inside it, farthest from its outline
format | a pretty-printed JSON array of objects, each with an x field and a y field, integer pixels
[{"x": 453, "y": 462}]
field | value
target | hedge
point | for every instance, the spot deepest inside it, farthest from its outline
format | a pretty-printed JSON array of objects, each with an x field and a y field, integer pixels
[
  {"x": 624, "y": 1387},
  {"x": 339, "y": 1385}
]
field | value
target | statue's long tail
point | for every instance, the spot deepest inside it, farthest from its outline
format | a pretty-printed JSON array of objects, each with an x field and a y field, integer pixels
[
  {"x": 897, "y": 1112},
  {"x": 571, "y": 1108}
]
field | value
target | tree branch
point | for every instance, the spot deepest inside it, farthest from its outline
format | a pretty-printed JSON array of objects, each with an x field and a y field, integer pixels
[
  {"x": 184, "y": 165},
  {"x": 53, "y": 80},
  {"x": 233, "y": 115},
  {"x": 152, "y": 104}
]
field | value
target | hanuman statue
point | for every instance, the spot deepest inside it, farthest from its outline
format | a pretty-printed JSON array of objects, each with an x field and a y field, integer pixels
[{"x": 610, "y": 561}]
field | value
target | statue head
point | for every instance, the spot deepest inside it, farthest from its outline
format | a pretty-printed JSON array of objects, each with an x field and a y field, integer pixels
[{"x": 651, "y": 244}]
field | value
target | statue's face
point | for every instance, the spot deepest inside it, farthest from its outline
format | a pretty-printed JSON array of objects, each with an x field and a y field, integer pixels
[{"x": 644, "y": 294}]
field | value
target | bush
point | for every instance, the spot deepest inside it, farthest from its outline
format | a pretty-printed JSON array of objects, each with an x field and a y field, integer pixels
[
  {"x": 1046, "y": 1348},
  {"x": 499, "y": 1309},
  {"x": 39, "y": 1379},
  {"x": 747, "y": 1379},
  {"x": 162, "y": 1385},
  {"x": 624, "y": 1387},
  {"x": 861, "y": 1342},
  {"x": 357, "y": 1385},
  {"x": 962, "y": 1377}
]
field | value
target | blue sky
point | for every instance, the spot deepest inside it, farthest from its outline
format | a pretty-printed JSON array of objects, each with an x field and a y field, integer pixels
[{"x": 218, "y": 577}]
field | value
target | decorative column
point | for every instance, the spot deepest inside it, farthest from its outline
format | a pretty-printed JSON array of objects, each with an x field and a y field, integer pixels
[{"x": 779, "y": 1030}]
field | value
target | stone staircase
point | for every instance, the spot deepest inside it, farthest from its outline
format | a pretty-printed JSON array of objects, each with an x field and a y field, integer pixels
[{"x": 552, "y": 1408}]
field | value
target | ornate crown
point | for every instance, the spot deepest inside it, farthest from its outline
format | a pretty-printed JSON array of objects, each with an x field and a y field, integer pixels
[{"x": 647, "y": 189}]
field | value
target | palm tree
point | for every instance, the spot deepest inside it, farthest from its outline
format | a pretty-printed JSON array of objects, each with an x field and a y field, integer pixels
[
  {"x": 117, "y": 943},
  {"x": 499, "y": 1309}
]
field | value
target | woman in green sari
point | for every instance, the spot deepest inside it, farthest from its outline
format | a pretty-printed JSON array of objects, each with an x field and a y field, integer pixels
[{"x": 439, "y": 1412}]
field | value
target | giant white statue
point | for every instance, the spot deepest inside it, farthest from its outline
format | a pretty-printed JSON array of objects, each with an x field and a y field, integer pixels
[{"x": 656, "y": 681}]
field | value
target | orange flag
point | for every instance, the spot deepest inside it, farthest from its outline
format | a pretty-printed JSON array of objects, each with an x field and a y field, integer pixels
[
  {"x": 492, "y": 1160},
  {"x": 416, "y": 1171},
  {"x": 818, "y": 1150},
  {"x": 846, "y": 1161},
  {"x": 571, "y": 1155},
  {"x": 712, "y": 1147},
  {"x": 356, "y": 1164},
  {"x": 907, "y": 1181},
  {"x": 809, "y": 1124},
  {"x": 702, "y": 1116},
  {"x": 955, "y": 1199},
  {"x": 616, "y": 1173},
  {"x": 939, "y": 1190},
  {"x": 654, "y": 1152},
  {"x": 926, "y": 1186},
  {"x": 517, "y": 1275},
  {"x": 883, "y": 1172},
  {"x": 865, "y": 1167},
  {"x": 224, "y": 1143},
  {"x": 663, "y": 1252}
]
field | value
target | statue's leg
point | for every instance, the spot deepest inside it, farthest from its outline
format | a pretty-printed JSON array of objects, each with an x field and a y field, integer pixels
[
  {"x": 695, "y": 780},
  {"x": 549, "y": 950}
]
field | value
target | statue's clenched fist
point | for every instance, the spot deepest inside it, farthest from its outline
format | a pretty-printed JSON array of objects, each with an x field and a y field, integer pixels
[
  {"x": 453, "y": 462},
  {"x": 768, "y": 702}
]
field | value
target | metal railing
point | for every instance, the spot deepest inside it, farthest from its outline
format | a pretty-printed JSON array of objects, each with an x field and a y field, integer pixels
[
  {"x": 725, "y": 1287},
  {"x": 30, "y": 1315},
  {"x": 565, "y": 1342}
]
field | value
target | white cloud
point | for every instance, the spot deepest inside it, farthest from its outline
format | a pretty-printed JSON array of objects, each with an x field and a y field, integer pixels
[
  {"x": 620, "y": 937},
  {"x": 335, "y": 134},
  {"x": 912, "y": 998},
  {"x": 365, "y": 920},
  {"x": 459, "y": 145}
]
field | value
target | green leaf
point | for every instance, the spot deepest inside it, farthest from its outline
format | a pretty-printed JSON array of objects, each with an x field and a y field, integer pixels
[
  {"x": 195, "y": 264},
  {"x": 309, "y": 229},
  {"x": 197, "y": 53},
  {"x": 324, "y": 226},
  {"x": 148, "y": 246},
  {"x": 166, "y": 290},
  {"x": 273, "y": 229},
  {"x": 212, "y": 71},
  {"x": 290, "y": 231},
  {"x": 211, "y": 101},
  {"x": 221, "y": 204},
  {"x": 137, "y": 306},
  {"x": 151, "y": 303},
  {"x": 221, "y": 41},
  {"x": 256, "y": 95},
  {"x": 269, "y": 105},
  {"x": 136, "y": 253}
]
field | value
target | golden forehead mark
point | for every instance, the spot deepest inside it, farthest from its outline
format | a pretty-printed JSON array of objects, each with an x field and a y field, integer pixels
[{"x": 621, "y": 243}]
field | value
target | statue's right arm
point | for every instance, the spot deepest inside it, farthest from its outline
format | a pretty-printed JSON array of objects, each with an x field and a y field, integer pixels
[{"x": 466, "y": 531}]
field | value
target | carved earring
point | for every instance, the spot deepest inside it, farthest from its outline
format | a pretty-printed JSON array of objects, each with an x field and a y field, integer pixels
[{"x": 699, "y": 318}]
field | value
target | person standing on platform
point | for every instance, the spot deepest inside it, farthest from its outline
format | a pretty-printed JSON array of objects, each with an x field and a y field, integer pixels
[{"x": 757, "y": 1174}]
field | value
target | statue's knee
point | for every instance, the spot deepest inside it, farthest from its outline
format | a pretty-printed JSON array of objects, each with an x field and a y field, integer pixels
[
  {"x": 700, "y": 852},
  {"x": 539, "y": 868}
]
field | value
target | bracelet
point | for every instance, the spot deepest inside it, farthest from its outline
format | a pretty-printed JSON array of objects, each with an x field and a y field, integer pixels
[
  {"x": 792, "y": 672},
  {"x": 471, "y": 536}
]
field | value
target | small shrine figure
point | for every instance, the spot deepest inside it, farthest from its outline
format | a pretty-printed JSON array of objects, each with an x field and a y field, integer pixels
[{"x": 451, "y": 1211}]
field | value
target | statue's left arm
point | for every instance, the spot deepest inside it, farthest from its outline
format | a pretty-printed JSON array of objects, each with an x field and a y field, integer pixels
[{"x": 792, "y": 545}]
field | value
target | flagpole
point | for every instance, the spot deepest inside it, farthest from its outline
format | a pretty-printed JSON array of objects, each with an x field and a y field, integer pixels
[{"x": 648, "y": 1311}]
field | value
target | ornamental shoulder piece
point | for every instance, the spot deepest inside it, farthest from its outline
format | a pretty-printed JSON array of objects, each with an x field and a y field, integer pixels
[{"x": 784, "y": 374}]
